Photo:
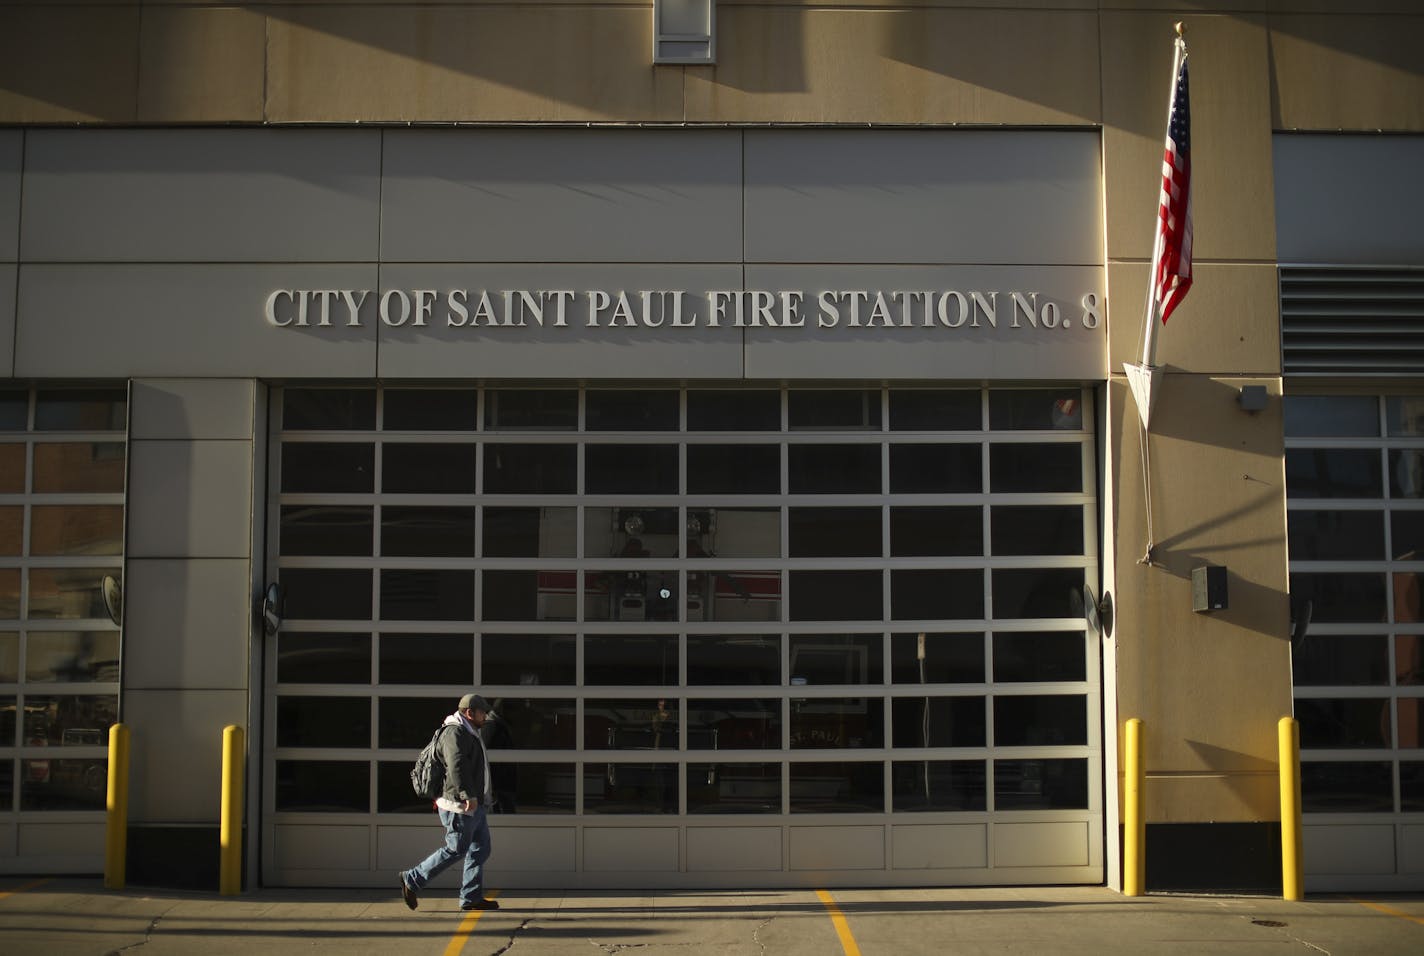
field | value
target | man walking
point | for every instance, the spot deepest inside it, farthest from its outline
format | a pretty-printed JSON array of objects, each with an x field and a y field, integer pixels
[{"x": 462, "y": 808}]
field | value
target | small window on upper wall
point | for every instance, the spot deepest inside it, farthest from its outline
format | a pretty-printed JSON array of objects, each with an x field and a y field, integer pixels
[
  {"x": 945, "y": 410},
  {"x": 1036, "y": 409},
  {"x": 431, "y": 409},
  {"x": 520, "y": 408},
  {"x": 1335, "y": 416},
  {"x": 733, "y": 410},
  {"x": 81, "y": 409},
  {"x": 1404, "y": 415},
  {"x": 639, "y": 410},
  {"x": 339, "y": 409},
  {"x": 14, "y": 411},
  {"x": 840, "y": 409}
]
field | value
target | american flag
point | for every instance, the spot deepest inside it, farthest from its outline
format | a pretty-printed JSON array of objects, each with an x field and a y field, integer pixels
[{"x": 1172, "y": 252}]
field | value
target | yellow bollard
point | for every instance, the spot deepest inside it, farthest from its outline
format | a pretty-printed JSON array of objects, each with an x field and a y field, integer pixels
[
  {"x": 116, "y": 805},
  {"x": 234, "y": 753},
  {"x": 1134, "y": 830},
  {"x": 1288, "y": 733}
]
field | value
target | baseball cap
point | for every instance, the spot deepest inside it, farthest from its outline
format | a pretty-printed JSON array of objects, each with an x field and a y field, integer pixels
[{"x": 475, "y": 702}]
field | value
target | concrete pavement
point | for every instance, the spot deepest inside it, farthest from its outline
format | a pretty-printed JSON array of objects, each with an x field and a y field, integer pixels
[{"x": 77, "y": 917}]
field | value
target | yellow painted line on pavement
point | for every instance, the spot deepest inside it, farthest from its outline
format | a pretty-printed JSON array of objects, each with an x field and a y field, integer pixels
[
  {"x": 467, "y": 926},
  {"x": 27, "y": 886},
  {"x": 839, "y": 921},
  {"x": 1390, "y": 911}
]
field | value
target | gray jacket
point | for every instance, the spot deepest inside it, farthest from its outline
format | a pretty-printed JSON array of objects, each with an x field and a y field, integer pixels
[{"x": 463, "y": 755}]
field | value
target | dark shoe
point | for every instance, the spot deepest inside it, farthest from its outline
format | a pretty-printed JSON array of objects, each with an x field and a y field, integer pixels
[
  {"x": 480, "y": 905},
  {"x": 408, "y": 894}
]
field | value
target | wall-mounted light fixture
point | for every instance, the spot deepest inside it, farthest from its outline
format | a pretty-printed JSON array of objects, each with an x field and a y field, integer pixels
[{"x": 684, "y": 31}]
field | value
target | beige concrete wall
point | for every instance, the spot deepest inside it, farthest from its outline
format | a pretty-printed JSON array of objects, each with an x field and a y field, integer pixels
[
  {"x": 201, "y": 64},
  {"x": 1209, "y": 688},
  {"x": 1355, "y": 72},
  {"x": 905, "y": 64},
  {"x": 62, "y": 64},
  {"x": 1330, "y": 64}
]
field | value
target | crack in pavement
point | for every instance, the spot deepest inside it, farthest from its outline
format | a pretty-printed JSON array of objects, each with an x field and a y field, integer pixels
[
  {"x": 1291, "y": 936},
  {"x": 613, "y": 948},
  {"x": 513, "y": 933},
  {"x": 1307, "y": 944},
  {"x": 756, "y": 934},
  {"x": 147, "y": 936}
]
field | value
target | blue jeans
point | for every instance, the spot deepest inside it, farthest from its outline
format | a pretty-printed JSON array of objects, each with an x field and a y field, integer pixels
[{"x": 467, "y": 836}]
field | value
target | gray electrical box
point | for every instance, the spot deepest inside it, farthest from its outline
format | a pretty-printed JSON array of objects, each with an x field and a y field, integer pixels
[{"x": 1209, "y": 588}]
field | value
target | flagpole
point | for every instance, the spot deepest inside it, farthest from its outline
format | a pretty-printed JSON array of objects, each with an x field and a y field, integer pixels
[
  {"x": 1143, "y": 377},
  {"x": 1149, "y": 324}
]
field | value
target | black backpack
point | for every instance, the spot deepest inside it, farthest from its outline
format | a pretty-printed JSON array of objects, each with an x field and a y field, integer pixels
[{"x": 427, "y": 777}]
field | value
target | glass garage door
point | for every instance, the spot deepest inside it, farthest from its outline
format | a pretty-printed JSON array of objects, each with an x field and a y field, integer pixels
[
  {"x": 1355, "y": 498},
  {"x": 63, "y": 464},
  {"x": 733, "y": 636}
]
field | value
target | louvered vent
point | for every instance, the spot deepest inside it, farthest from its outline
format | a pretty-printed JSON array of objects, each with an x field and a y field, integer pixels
[{"x": 1352, "y": 321}]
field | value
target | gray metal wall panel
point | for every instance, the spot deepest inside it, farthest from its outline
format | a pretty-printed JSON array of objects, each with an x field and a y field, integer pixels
[
  {"x": 11, "y": 144},
  {"x": 561, "y": 196},
  {"x": 1349, "y": 199},
  {"x": 574, "y": 351},
  {"x": 189, "y": 499},
  {"x": 175, "y": 763},
  {"x": 1069, "y": 352},
  {"x": 175, "y": 320},
  {"x": 192, "y": 408},
  {"x": 924, "y": 196},
  {"x": 224, "y": 195},
  {"x": 185, "y": 624},
  {"x": 8, "y": 272},
  {"x": 541, "y": 209}
]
